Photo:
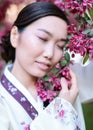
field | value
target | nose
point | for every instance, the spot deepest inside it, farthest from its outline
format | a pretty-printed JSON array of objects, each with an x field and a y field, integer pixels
[{"x": 49, "y": 51}]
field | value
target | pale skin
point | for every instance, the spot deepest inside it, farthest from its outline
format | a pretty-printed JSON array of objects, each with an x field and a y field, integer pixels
[{"x": 38, "y": 49}]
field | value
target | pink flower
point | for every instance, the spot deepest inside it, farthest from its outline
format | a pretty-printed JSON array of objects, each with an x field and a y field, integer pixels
[
  {"x": 61, "y": 113},
  {"x": 27, "y": 127}
]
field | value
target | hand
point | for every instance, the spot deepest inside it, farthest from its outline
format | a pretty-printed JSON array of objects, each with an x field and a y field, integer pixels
[{"x": 71, "y": 93}]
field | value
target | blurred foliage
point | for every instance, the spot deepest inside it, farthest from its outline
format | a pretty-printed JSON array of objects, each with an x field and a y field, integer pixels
[{"x": 88, "y": 114}]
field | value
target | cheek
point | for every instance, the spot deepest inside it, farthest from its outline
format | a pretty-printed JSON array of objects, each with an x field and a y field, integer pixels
[
  {"x": 57, "y": 57},
  {"x": 28, "y": 46}
]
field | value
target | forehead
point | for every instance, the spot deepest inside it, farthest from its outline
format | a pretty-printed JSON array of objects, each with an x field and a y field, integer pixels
[
  {"x": 50, "y": 23},
  {"x": 50, "y": 19}
]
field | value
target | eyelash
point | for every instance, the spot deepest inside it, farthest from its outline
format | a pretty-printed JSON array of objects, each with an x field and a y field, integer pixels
[
  {"x": 43, "y": 39},
  {"x": 60, "y": 47}
]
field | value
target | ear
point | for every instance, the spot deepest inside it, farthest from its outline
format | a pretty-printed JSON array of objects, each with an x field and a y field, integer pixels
[{"x": 14, "y": 36}]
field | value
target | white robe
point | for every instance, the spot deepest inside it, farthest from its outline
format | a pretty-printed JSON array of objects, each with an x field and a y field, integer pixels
[{"x": 58, "y": 115}]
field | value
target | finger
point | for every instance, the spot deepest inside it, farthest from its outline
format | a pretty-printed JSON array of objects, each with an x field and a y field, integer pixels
[
  {"x": 74, "y": 87},
  {"x": 64, "y": 84},
  {"x": 73, "y": 79}
]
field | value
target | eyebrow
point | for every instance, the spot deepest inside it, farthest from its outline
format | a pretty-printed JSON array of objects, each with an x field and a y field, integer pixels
[
  {"x": 45, "y": 31},
  {"x": 62, "y": 39}
]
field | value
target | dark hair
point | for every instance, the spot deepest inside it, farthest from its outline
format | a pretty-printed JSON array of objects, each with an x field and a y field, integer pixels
[{"x": 29, "y": 14}]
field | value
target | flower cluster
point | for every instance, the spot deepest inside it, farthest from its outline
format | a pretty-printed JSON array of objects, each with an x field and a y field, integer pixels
[
  {"x": 80, "y": 32},
  {"x": 80, "y": 41},
  {"x": 74, "y": 6},
  {"x": 49, "y": 86}
]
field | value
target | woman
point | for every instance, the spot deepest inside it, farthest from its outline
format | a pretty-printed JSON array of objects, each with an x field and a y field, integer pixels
[{"x": 35, "y": 45}]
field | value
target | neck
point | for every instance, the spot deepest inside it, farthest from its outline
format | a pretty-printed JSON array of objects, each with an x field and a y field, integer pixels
[{"x": 25, "y": 78}]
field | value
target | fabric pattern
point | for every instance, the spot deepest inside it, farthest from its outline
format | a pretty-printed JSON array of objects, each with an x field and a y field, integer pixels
[
  {"x": 19, "y": 97},
  {"x": 58, "y": 115}
]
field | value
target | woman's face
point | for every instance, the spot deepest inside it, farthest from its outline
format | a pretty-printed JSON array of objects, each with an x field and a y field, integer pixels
[{"x": 39, "y": 46}]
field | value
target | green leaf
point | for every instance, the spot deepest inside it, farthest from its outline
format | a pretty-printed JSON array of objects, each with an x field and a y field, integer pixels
[
  {"x": 89, "y": 32},
  {"x": 86, "y": 58},
  {"x": 91, "y": 13},
  {"x": 67, "y": 56},
  {"x": 86, "y": 31},
  {"x": 90, "y": 22},
  {"x": 64, "y": 63},
  {"x": 46, "y": 77},
  {"x": 55, "y": 70}
]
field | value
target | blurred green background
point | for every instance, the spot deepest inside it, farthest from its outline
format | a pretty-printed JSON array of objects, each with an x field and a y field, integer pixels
[{"x": 88, "y": 114}]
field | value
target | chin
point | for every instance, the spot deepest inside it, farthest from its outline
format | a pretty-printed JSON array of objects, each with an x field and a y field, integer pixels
[{"x": 40, "y": 75}]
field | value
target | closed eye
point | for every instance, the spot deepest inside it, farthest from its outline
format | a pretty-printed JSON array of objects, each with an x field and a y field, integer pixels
[
  {"x": 43, "y": 39},
  {"x": 60, "y": 47}
]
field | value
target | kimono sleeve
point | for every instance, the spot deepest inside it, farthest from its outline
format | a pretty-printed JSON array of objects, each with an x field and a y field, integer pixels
[
  {"x": 58, "y": 115},
  {"x": 4, "y": 120}
]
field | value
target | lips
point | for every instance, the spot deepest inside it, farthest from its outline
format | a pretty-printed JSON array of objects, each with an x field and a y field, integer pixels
[{"x": 43, "y": 65}]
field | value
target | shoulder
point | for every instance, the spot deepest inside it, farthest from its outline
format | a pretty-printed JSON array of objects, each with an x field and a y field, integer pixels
[
  {"x": 4, "y": 119},
  {"x": 2, "y": 104}
]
